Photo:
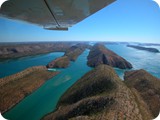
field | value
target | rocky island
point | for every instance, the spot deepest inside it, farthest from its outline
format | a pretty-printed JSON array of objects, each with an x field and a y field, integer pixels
[
  {"x": 99, "y": 54},
  {"x": 146, "y": 89},
  {"x": 144, "y": 48},
  {"x": 71, "y": 54},
  {"x": 16, "y": 87},
  {"x": 101, "y": 97}
]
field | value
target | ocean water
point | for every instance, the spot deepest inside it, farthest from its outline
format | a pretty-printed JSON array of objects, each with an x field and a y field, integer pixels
[
  {"x": 44, "y": 99},
  {"x": 16, "y": 65},
  {"x": 138, "y": 58}
]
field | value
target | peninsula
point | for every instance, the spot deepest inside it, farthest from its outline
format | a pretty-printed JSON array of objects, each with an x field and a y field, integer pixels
[
  {"x": 16, "y": 87},
  {"x": 99, "y": 54},
  {"x": 97, "y": 98},
  {"x": 97, "y": 95},
  {"x": 71, "y": 54},
  {"x": 146, "y": 89},
  {"x": 106, "y": 96}
]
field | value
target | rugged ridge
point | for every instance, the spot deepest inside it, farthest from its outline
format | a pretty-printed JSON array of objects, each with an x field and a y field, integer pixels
[
  {"x": 16, "y": 87},
  {"x": 16, "y": 50},
  {"x": 61, "y": 62},
  {"x": 102, "y": 97},
  {"x": 71, "y": 54},
  {"x": 99, "y": 54},
  {"x": 148, "y": 87},
  {"x": 74, "y": 51}
]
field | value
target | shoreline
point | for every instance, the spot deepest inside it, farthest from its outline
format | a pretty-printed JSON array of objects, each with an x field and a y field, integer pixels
[
  {"x": 28, "y": 56},
  {"x": 21, "y": 85}
]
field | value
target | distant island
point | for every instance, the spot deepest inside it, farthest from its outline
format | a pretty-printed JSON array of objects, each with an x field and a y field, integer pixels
[
  {"x": 17, "y": 50},
  {"x": 144, "y": 48},
  {"x": 149, "y": 44}
]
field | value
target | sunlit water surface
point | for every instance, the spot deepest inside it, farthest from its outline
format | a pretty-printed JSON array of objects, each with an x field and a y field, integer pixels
[
  {"x": 44, "y": 100},
  {"x": 140, "y": 59},
  {"x": 16, "y": 65}
]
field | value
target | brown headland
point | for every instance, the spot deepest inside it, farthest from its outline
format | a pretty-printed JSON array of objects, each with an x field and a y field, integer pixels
[
  {"x": 147, "y": 90},
  {"x": 99, "y": 95},
  {"x": 99, "y": 54},
  {"x": 16, "y": 87},
  {"x": 71, "y": 54}
]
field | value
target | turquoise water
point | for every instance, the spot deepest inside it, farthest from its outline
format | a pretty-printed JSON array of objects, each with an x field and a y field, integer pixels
[
  {"x": 16, "y": 65},
  {"x": 44, "y": 100},
  {"x": 138, "y": 58}
]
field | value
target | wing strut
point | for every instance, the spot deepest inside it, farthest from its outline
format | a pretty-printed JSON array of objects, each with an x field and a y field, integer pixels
[{"x": 51, "y": 12}]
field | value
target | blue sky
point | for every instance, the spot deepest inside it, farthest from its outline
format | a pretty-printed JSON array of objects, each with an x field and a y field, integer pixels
[{"x": 124, "y": 20}]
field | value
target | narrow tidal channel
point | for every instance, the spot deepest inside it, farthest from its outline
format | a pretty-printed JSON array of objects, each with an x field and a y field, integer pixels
[{"x": 44, "y": 99}]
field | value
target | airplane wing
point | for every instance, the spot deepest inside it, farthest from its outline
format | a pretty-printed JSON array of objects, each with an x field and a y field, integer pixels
[{"x": 52, "y": 14}]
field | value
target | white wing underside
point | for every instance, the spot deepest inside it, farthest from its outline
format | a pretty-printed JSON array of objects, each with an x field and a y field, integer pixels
[{"x": 52, "y": 14}]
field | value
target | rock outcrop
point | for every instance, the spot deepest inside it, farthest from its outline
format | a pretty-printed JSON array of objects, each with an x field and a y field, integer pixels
[
  {"x": 98, "y": 95},
  {"x": 16, "y": 87},
  {"x": 147, "y": 89},
  {"x": 71, "y": 54},
  {"x": 144, "y": 48},
  {"x": 61, "y": 62},
  {"x": 74, "y": 51},
  {"x": 99, "y": 54}
]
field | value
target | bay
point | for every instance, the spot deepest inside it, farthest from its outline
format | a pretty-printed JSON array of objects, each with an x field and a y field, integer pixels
[
  {"x": 44, "y": 100},
  {"x": 13, "y": 66}
]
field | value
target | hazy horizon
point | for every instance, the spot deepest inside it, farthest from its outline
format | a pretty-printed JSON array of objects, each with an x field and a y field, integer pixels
[{"x": 78, "y": 41}]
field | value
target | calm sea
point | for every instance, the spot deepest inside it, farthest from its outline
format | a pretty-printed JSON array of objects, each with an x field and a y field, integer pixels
[
  {"x": 44, "y": 100},
  {"x": 138, "y": 58},
  {"x": 16, "y": 65}
]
